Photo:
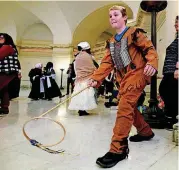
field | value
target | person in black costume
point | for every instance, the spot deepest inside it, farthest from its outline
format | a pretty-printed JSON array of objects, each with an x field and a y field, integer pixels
[
  {"x": 70, "y": 78},
  {"x": 35, "y": 75},
  {"x": 51, "y": 88}
]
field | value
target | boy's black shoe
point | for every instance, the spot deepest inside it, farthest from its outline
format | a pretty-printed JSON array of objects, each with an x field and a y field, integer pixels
[
  {"x": 4, "y": 111},
  {"x": 139, "y": 138},
  {"x": 111, "y": 159}
]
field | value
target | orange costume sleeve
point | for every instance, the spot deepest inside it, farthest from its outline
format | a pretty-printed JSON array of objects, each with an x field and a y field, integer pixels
[{"x": 105, "y": 68}]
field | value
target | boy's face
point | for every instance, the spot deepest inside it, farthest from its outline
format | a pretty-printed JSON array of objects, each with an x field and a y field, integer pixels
[{"x": 116, "y": 19}]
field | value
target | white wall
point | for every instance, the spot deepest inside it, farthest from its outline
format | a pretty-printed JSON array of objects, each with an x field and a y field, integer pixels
[{"x": 9, "y": 27}]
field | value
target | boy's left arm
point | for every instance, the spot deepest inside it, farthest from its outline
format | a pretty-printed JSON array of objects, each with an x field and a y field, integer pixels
[{"x": 147, "y": 48}]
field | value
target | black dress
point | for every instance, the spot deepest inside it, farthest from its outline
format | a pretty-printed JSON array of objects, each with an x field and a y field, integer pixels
[
  {"x": 51, "y": 88},
  {"x": 35, "y": 75}
]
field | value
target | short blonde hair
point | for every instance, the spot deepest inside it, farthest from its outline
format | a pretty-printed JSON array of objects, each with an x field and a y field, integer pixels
[{"x": 120, "y": 8}]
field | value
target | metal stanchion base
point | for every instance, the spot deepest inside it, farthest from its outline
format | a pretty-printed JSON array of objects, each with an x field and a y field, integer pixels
[{"x": 154, "y": 116}]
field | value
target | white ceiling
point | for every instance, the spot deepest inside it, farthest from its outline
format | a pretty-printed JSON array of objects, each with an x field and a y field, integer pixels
[{"x": 64, "y": 16}]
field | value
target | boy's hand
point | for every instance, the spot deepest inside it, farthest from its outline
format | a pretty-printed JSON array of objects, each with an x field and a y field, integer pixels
[
  {"x": 92, "y": 83},
  {"x": 149, "y": 70}
]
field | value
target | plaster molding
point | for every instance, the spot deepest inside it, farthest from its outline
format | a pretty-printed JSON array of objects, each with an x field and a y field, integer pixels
[
  {"x": 55, "y": 52},
  {"x": 43, "y": 48},
  {"x": 34, "y": 45},
  {"x": 61, "y": 45},
  {"x": 61, "y": 52},
  {"x": 31, "y": 41},
  {"x": 35, "y": 54}
]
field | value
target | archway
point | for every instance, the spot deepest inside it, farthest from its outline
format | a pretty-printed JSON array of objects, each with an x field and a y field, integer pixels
[
  {"x": 95, "y": 24},
  {"x": 35, "y": 47}
]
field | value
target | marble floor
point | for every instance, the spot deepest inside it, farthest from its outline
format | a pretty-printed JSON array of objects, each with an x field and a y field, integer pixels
[{"x": 86, "y": 139}]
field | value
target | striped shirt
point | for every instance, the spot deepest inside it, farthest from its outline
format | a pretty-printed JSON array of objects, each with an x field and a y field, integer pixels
[{"x": 171, "y": 57}]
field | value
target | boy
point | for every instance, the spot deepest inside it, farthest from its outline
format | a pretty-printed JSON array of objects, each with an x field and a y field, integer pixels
[{"x": 134, "y": 59}]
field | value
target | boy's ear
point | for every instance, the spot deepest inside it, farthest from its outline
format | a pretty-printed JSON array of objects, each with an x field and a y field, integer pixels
[{"x": 125, "y": 17}]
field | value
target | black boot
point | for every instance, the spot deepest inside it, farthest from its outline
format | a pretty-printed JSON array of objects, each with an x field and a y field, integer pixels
[
  {"x": 111, "y": 159},
  {"x": 61, "y": 96},
  {"x": 169, "y": 122},
  {"x": 139, "y": 138},
  {"x": 4, "y": 111},
  {"x": 41, "y": 96},
  {"x": 83, "y": 113}
]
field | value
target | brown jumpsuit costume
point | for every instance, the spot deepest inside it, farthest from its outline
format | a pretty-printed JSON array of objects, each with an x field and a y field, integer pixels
[{"x": 140, "y": 52}]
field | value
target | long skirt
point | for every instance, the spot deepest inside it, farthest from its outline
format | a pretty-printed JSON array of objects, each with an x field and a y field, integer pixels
[
  {"x": 53, "y": 90},
  {"x": 84, "y": 100}
]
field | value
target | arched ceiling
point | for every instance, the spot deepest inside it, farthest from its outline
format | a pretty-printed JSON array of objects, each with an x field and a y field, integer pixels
[
  {"x": 39, "y": 32},
  {"x": 51, "y": 15},
  {"x": 20, "y": 17},
  {"x": 25, "y": 14},
  {"x": 69, "y": 21},
  {"x": 96, "y": 23}
]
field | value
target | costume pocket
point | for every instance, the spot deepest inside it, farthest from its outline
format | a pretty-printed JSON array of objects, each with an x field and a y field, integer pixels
[{"x": 132, "y": 85}]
